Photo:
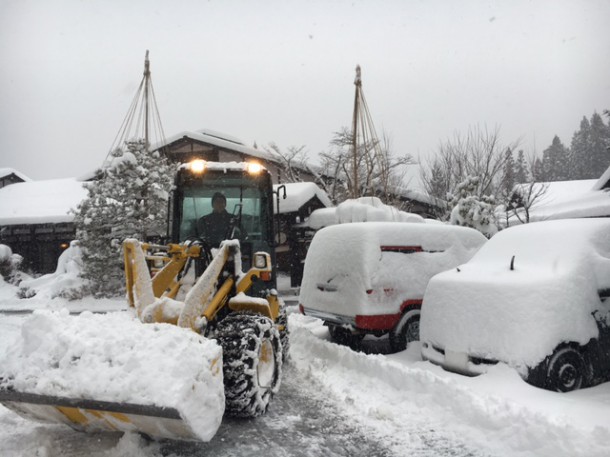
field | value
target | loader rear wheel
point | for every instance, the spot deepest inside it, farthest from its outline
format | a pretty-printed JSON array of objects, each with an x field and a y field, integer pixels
[
  {"x": 252, "y": 363},
  {"x": 282, "y": 322}
]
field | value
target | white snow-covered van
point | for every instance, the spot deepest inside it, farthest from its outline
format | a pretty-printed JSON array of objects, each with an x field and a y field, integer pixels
[
  {"x": 534, "y": 297},
  {"x": 370, "y": 277}
]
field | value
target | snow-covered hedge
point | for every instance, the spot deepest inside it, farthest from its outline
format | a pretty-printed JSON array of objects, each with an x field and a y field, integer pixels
[{"x": 65, "y": 282}]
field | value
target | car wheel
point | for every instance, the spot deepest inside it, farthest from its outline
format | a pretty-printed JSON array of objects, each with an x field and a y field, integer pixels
[
  {"x": 405, "y": 331},
  {"x": 566, "y": 370},
  {"x": 344, "y": 336}
]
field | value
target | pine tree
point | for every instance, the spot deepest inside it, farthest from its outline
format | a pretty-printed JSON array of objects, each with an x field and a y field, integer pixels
[
  {"x": 438, "y": 182},
  {"x": 598, "y": 155},
  {"x": 538, "y": 172},
  {"x": 472, "y": 210},
  {"x": 508, "y": 175},
  {"x": 521, "y": 172},
  {"x": 127, "y": 199},
  {"x": 555, "y": 160},
  {"x": 578, "y": 150}
]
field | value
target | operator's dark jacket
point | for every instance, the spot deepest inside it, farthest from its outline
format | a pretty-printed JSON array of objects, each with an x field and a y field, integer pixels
[{"x": 214, "y": 227}]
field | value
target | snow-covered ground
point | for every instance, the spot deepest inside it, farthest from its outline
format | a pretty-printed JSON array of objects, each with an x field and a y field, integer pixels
[{"x": 411, "y": 406}]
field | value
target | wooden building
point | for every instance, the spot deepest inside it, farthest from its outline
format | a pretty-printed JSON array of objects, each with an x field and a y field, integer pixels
[
  {"x": 35, "y": 220},
  {"x": 219, "y": 147},
  {"x": 11, "y": 176}
]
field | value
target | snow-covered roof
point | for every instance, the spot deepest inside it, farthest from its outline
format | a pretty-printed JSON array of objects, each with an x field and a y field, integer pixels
[
  {"x": 603, "y": 180},
  {"x": 221, "y": 140},
  {"x": 11, "y": 171},
  {"x": 557, "y": 191},
  {"x": 594, "y": 203},
  {"x": 570, "y": 199},
  {"x": 299, "y": 193},
  {"x": 38, "y": 202}
]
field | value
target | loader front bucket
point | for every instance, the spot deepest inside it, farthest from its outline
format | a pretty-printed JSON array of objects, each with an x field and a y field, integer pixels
[
  {"x": 93, "y": 416},
  {"x": 98, "y": 372}
]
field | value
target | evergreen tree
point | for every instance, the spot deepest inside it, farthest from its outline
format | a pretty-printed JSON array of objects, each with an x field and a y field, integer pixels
[
  {"x": 127, "y": 199},
  {"x": 578, "y": 150},
  {"x": 555, "y": 161},
  {"x": 508, "y": 176},
  {"x": 538, "y": 171},
  {"x": 438, "y": 182},
  {"x": 521, "y": 170},
  {"x": 589, "y": 149},
  {"x": 472, "y": 210},
  {"x": 598, "y": 155}
]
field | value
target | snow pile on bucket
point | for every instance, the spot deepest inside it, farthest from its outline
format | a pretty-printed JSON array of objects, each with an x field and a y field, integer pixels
[{"x": 116, "y": 358}]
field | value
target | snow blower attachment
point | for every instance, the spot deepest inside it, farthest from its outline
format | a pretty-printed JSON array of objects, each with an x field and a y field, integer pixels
[{"x": 206, "y": 338}]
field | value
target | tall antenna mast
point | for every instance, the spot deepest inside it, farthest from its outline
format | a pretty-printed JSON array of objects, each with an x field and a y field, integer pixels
[
  {"x": 366, "y": 148},
  {"x": 358, "y": 84},
  {"x": 146, "y": 103},
  {"x": 142, "y": 120}
]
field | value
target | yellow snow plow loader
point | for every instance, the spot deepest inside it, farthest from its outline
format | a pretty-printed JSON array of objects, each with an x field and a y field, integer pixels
[{"x": 208, "y": 284}]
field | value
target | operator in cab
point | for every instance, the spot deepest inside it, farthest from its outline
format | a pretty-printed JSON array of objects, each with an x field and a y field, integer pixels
[{"x": 214, "y": 227}]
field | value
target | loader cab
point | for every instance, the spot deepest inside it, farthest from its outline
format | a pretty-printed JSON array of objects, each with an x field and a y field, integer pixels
[{"x": 248, "y": 191}]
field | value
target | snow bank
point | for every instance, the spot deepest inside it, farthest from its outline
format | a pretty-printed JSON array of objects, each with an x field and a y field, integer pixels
[
  {"x": 519, "y": 316},
  {"x": 415, "y": 406},
  {"x": 351, "y": 259},
  {"x": 116, "y": 358}
]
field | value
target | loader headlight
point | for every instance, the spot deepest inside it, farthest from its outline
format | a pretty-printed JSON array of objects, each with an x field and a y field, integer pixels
[
  {"x": 197, "y": 166},
  {"x": 260, "y": 261},
  {"x": 254, "y": 168}
]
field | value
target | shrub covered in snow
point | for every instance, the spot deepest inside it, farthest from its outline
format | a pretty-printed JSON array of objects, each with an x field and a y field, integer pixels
[
  {"x": 9, "y": 265},
  {"x": 473, "y": 210},
  {"x": 65, "y": 282}
]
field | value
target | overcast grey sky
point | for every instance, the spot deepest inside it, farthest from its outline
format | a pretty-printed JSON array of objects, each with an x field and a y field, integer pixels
[{"x": 283, "y": 71}]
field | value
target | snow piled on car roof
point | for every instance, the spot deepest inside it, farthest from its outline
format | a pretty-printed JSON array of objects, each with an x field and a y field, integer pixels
[
  {"x": 519, "y": 314},
  {"x": 363, "y": 209}
]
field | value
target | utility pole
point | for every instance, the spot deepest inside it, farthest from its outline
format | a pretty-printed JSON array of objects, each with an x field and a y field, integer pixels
[
  {"x": 142, "y": 119},
  {"x": 358, "y": 84},
  {"x": 146, "y": 91}
]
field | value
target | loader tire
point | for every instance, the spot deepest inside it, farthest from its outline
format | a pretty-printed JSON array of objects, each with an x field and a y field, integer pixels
[
  {"x": 282, "y": 322},
  {"x": 252, "y": 363}
]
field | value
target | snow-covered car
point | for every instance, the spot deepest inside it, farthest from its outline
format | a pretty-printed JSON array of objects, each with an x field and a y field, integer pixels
[
  {"x": 535, "y": 298},
  {"x": 370, "y": 277}
]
